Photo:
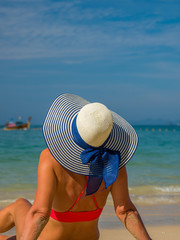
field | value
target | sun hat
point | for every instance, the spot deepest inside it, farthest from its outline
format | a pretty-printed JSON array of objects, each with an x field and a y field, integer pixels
[{"x": 89, "y": 139}]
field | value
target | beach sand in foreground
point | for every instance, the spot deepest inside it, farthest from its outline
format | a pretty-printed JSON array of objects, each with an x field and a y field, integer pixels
[
  {"x": 156, "y": 232},
  {"x": 163, "y": 232},
  {"x": 162, "y": 223}
]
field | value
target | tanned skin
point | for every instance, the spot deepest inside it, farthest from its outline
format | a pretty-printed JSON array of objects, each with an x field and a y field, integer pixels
[{"x": 58, "y": 189}]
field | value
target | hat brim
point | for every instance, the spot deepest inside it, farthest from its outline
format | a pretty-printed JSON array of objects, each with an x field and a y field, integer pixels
[{"x": 58, "y": 136}]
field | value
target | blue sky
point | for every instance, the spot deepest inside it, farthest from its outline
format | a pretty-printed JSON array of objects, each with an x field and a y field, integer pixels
[{"x": 125, "y": 54}]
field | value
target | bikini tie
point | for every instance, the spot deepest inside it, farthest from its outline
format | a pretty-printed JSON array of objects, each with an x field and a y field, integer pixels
[{"x": 103, "y": 162}]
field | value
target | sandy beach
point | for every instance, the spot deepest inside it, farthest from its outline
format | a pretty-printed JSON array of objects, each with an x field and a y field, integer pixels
[
  {"x": 162, "y": 222},
  {"x": 164, "y": 232},
  {"x": 156, "y": 232}
]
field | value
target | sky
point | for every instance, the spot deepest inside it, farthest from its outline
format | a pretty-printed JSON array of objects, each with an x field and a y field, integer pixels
[{"x": 122, "y": 53}]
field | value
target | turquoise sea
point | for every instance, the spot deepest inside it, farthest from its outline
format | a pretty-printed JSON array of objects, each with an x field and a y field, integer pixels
[{"x": 153, "y": 172}]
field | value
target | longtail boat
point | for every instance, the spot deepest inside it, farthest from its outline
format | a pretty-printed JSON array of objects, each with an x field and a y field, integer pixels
[{"x": 17, "y": 125}]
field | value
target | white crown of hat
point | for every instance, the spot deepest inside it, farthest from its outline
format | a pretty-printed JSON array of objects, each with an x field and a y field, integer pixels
[{"x": 94, "y": 123}]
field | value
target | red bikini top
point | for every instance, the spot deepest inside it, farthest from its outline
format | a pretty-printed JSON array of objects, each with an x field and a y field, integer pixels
[{"x": 84, "y": 216}]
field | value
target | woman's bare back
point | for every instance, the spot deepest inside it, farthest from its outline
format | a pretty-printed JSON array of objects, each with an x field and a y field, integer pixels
[{"x": 68, "y": 188}]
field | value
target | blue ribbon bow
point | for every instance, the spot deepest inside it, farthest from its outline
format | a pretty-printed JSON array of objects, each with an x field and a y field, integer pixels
[{"x": 104, "y": 163}]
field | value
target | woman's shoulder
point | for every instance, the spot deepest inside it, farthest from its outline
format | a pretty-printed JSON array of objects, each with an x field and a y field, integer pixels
[
  {"x": 48, "y": 161},
  {"x": 46, "y": 153},
  {"x": 46, "y": 158}
]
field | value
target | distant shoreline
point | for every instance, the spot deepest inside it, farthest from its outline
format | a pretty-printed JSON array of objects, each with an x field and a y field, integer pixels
[{"x": 37, "y": 126}]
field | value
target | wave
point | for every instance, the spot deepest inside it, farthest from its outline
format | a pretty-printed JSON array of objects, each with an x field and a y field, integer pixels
[
  {"x": 169, "y": 189},
  {"x": 155, "y": 189},
  {"x": 155, "y": 200},
  {"x": 156, "y": 194}
]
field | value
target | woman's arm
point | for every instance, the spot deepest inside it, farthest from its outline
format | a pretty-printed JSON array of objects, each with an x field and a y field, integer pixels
[
  {"x": 39, "y": 213},
  {"x": 125, "y": 209}
]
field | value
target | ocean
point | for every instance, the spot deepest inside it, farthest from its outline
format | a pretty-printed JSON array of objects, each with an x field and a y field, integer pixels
[{"x": 153, "y": 172}]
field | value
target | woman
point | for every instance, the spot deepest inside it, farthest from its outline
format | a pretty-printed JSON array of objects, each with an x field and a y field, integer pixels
[{"x": 88, "y": 147}]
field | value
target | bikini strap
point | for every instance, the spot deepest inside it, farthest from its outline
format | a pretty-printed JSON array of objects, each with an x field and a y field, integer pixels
[
  {"x": 82, "y": 194},
  {"x": 79, "y": 195},
  {"x": 95, "y": 201}
]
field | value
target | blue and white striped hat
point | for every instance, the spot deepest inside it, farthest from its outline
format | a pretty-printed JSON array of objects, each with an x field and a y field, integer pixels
[{"x": 60, "y": 140}]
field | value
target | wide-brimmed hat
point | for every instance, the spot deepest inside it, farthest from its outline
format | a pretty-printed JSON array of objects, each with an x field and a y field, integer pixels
[{"x": 71, "y": 147}]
